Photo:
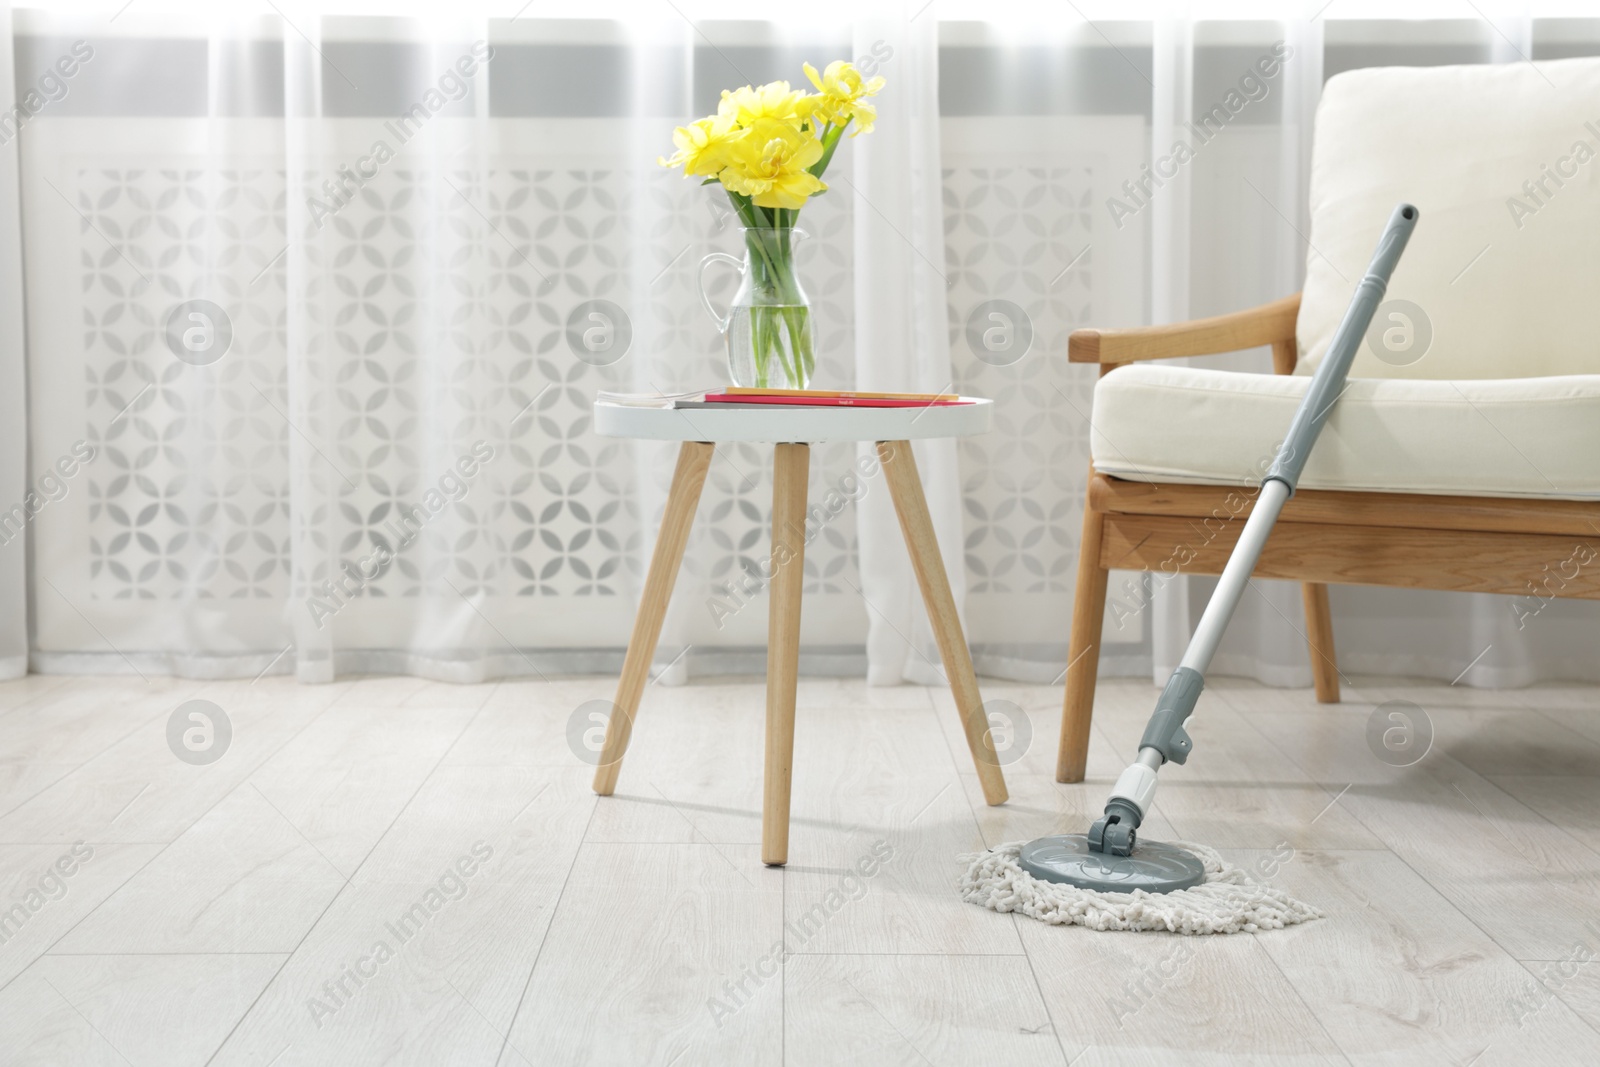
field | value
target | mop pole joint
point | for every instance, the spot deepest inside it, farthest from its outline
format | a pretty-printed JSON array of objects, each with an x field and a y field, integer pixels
[
  {"x": 1165, "y": 732},
  {"x": 1164, "y": 741}
]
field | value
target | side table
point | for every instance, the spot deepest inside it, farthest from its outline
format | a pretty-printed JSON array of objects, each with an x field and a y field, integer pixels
[{"x": 793, "y": 430}]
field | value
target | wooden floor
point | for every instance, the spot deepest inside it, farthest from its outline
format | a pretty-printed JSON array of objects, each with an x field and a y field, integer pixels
[{"x": 233, "y": 913}]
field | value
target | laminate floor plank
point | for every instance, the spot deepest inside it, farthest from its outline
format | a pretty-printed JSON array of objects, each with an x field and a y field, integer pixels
[
  {"x": 169, "y": 1009},
  {"x": 692, "y": 772},
  {"x": 382, "y": 978},
  {"x": 459, "y": 891},
  {"x": 1119, "y": 998},
  {"x": 659, "y": 954},
  {"x": 876, "y": 1011},
  {"x": 47, "y": 888},
  {"x": 241, "y": 879},
  {"x": 25, "y": 691},
  {"x": 1477, "y": 845},
  {"x": 1575, "y": 707},
  {"x": 66, "y": 725},
  {"x": 1397, "y": 975},
  {"x": 138, "y": 789},
  {"x": 1573, "y": 982},
  {"x": 1572, "y": 804},
  {"x": 232, "y": 913},
  {"x": 878, "y": 789},
  {"x": 1238, "y": 790},
  {"x": 341, "y": 782}
]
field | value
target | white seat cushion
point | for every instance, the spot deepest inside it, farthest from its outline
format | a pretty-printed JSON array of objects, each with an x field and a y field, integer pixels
[
  {"x": 1517, "y": 437},
  {"x": 1504, "y": 162}
]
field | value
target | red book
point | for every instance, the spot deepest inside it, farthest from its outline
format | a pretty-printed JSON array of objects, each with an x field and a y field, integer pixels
[
  {"x": 736, "y": 390},
  {"x": 825, "y": 401}
]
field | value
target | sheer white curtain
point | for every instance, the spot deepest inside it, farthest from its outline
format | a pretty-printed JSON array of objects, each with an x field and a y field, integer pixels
[
  {"x": 900, "y": 333},
  {"x": 386, "y": 237},
  {"x": 1237, "y": 241},
  {"x": 23, "y": 497},
  {"x": 402, "y": 221}
]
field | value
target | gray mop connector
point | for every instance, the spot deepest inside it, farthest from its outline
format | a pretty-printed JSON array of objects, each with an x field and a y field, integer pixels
[{"x": 1111, "y": 858}]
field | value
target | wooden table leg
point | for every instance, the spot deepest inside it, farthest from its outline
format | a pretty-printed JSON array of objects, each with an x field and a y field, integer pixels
[
  {"x": 1319, "y": 634},
  {"x": 790, "y": 469},
  {"x": 900, "y": 470},
  {"x": 694, "y": 459}
]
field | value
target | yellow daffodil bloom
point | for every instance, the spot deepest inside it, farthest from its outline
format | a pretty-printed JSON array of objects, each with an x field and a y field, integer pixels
[
  {"x": 840, "y": 91},
  {"x": 703, "y": 145},
  {"x": 775, "y": 100},
  {"x": 764, "y": 139},
  {"x": 769, "y": 165}
]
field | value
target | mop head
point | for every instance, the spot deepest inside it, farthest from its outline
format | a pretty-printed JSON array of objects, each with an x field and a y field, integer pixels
[{"x": 1227, "y": 902}]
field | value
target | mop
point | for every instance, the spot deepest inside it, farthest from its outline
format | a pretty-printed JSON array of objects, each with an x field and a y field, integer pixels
[{"x": 1110, "y": 879}]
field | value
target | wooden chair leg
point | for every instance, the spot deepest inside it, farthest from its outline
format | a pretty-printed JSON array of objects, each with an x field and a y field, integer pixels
[
  {"x": 694, "y": 459},
  {"x": 1083, "y": 651},
  {"x": 900, "y": 471},
  {"x": 1319, "y": 635},
  {"x": 790, "y": 469}
]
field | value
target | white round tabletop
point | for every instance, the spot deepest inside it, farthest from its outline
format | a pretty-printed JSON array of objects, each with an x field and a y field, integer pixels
[{"x": 790, "y": 423}]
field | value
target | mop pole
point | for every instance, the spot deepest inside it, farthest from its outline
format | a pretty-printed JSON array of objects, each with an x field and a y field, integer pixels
[{"x": 1164, "y": 738}]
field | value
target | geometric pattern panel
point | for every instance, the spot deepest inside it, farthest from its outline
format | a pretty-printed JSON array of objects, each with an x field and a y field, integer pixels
[
  {"x": 1023, "y": 236},
  {"x": 432, "y": 313}
]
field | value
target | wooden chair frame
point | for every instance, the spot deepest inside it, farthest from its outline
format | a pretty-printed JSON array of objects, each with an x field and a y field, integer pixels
[{"x": 1528, "y": 547}]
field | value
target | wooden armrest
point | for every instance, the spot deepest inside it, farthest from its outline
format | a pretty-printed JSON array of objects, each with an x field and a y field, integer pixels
[{"x": 1268, "y": 324}]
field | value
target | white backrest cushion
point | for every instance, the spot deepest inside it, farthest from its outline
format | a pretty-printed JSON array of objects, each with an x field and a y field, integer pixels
[{"x": 1507, "y": 273}]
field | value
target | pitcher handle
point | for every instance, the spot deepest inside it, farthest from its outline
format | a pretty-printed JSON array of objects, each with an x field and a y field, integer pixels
[{"x": 705, "y": 298}]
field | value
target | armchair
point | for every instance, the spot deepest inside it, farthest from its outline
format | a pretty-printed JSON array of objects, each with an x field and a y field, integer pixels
[{"x": 1473, "y": 467}]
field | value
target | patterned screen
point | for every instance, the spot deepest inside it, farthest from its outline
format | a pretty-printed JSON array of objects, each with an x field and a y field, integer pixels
[{"x": 431, "y": 313}]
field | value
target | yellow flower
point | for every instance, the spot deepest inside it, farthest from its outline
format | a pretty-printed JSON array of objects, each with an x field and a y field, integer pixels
[
  {"x": 840, "y": 91},
  {"x": 703, "y": 145},
  {"x": 769, "y": 164},
  {"x": 775, "y": 100}
]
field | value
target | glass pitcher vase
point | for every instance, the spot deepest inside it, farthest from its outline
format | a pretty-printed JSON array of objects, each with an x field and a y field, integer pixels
[{"x": 767, "y": 328}]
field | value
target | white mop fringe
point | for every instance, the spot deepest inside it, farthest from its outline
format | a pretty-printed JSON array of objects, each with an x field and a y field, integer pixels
[{"x": 1227, "y": 902}]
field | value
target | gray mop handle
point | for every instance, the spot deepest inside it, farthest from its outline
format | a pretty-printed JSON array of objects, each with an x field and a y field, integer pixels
[
  {"x": 1327, "y": 384},
  {"x": 1165, "y": 739}
]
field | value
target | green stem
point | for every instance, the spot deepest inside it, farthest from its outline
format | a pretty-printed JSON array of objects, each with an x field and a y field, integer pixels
[
  {"x": 758, "y": 245},
  {"x": 774, "y": 336},
  {"x": 775, "y": 342},
  {"x": 742, "y": 207},
  {"x": 831, "y": 135},
  {"x": 796, "y": 316},
  {"x": 795, "y": 319},
  {"x": 796, "y": 379},
  {"x": 774, "y": 345},
  {"x": 808, "y": 354},
  {"x": 758, "y": 344},
  {"x": 769, "y": 244}
]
